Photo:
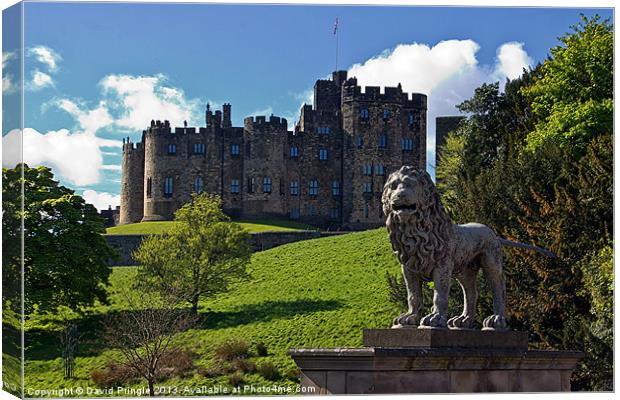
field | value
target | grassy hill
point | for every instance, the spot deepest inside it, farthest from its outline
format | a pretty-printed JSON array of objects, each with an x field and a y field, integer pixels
[
  {"x": 316, "y": 293},
  {"x": 156, "y": 227}
]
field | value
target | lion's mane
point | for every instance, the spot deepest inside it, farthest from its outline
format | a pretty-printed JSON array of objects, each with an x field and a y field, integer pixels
[{"x": 421, "y": 238}]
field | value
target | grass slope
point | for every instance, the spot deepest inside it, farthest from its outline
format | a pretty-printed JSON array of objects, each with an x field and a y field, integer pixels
[
  {"x": 316, "y": 293},
  {"x": 157, "y": 227}
]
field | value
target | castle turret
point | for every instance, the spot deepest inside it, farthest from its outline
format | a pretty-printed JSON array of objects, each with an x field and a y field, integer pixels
[
  {"x": 132, "y": 183},
  {"x": 226, "y": 122},
  {"x": 161, "y": 179}
]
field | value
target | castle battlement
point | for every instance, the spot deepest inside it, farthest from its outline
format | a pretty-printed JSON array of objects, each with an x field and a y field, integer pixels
[
  {"x": 353, "y": 92},
  {"x": 261, "y": 123}
]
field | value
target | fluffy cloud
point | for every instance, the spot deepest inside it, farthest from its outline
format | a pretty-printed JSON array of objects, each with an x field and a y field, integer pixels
[
  {"x": 511, "y": 59},
  {"x": 74, "y": 156},
  {"x": 39, "y": 81},
  {"x": 136, "y": 100},
  {"x": 447, "y": 72},
  {"x": 101, "y": 200},
  {"x": 89, "y": 120},
  {"x": 46, "y": 56},
  {"x": 8, "y": 86}
]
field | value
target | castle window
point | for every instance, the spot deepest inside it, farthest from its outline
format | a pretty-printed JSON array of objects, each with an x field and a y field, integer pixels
[
  {"x": 335, "y": 188},
  {"x": 294, "y": 213},
  {"x": 368, "y": 169},
  {"x": 379, "y": 169},
  {"x": 323, "y": 154},
  {"x": 382, "y": 141},
  {"x": 266, "y": 184},
  {"x": 334, "y": 214},
  {"x": 234, "y": 186},
  {"x": 314, "y": 188},
  {"x": 406, "y": 144},
  {"x": 386, "y": 115},
  {"x": 294, "y": 188},
  {"x": 199, "y": 148},
  {"x": 168, "y": 187},
  {"x": 149, "y": 187},
  {"x": 366, "y": 210},
  {"x": 198, "y": 185},
  {"x": 310, "y": 211},
  {"x": 234, "y": 150},
  {"x": 323, "y": 130},
  {"x": 359, "y": 141},
  {"x": 364, "y": 114},
  {"x": 367, "y": 187},
  {"x": 251, "y": 183},
  {"x": 411, "y": 118},
  {"x": 294, "y": 152},
  {"x": 172, "y": 149}
]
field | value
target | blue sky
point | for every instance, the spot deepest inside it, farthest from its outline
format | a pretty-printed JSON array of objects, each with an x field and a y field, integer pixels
[{"x": 95, "y": 73}]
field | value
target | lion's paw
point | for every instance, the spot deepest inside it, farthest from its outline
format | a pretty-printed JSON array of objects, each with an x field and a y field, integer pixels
[
  {"x": 405, "y": 320},
  {"x": 434, "y": 320},
  {"x": 495, "y": 322},
  {"x": 461, "y": 322}
]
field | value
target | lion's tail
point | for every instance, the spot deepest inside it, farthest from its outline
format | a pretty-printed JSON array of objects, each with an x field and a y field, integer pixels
[{"x": 510, "y": 243}]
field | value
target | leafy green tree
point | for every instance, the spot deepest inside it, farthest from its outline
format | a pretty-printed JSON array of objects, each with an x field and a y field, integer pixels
[
  {"x": 200, "y": 256},
  {"x": 65, "y": 255},
  {"x": 573, "y": 100}
]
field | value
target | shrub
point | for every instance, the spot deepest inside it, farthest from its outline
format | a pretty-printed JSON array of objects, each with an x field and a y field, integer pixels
[
  {"x": 218, "y": 369},
  {"x": 114, "y": 374},
  {"x": 261, "y": 349},
  {"x": 177, "y": 362},
  {"x": 268, "y": 371},
  {"x": 243, "y": 365},
  {"x": 237, "y": 379},
  {"x": 293, "y": 374},
  {"x": 232, "y": 349}
]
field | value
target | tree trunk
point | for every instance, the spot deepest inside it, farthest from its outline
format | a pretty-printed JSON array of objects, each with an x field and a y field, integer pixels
[
  {"x": 151, "y": 388},
  {"x": 195, "y": 304}
]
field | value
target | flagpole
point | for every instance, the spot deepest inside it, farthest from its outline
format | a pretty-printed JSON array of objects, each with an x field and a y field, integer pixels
[{"x": 336, "y": 33}]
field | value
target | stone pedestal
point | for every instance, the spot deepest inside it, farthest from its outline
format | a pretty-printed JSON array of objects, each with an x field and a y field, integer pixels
[{"x": 436, "y": 361}]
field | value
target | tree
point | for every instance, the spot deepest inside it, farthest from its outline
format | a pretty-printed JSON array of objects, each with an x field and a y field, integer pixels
[
  {"x": 144, "y": 336},
  {"x": 65, "y": 256},
  {"x": 200, "y": 256}
]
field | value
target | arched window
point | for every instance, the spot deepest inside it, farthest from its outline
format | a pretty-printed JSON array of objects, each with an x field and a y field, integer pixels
[
  {"x": 267, "y": 184},
  {"x": 335, "y": 188},
  {"x": 234, "y": 186},
  {"x": 364, "y": 114},
  {"x": 168, "y": 186},
  {"x": 294, "y": 188},
  {"x": 382, "y": 141},
  {"x": 198, "y": 185},
  {"x": 294, "y": 152},
  {"x": 314, "y": 187},
  {"x": 172, "y": 149}
]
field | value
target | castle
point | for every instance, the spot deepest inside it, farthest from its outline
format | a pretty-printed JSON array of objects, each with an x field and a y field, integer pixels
[{"x": 328, "y": 171}]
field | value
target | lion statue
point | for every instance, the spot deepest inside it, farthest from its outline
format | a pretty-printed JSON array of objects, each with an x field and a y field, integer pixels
[{"x": 430, "y": 247}]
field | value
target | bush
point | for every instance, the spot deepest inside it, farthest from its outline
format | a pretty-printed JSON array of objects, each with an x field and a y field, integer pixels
[
  {"x": 113, "y": 375},
  {"x": 237, "y": 379},
  {"x": 232, "y": 349},
  {"x": 293, "y": 374},
  {"x": 268, "y": 371},
  {"x": 261, "y": 349},
  {"x": 243, "y": 365},
  {"x": 177, "y": 362}
]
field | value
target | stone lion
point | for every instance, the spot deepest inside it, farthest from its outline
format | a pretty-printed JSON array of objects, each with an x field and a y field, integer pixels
[{"x": 430, "y": 247}]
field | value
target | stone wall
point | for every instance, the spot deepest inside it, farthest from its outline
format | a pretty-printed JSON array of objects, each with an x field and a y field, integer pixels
[{"x": 126, "y": 244}]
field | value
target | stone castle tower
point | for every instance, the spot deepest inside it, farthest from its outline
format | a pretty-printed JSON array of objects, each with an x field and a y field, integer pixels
[{"x": 328, "y": 171}]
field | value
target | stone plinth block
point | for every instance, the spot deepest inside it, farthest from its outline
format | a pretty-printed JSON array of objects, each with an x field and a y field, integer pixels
[
  {"x": 444, "y": 338},
  {"x": 435, "y": 361}
]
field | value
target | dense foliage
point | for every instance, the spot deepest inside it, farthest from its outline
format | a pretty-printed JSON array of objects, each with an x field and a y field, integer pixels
[
  {"x": 199, "y": 256},
  {"x": 535, "y": 163},
  {"x": 65, "y": 256}
]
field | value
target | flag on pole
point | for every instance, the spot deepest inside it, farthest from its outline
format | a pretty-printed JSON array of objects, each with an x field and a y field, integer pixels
[{"x": 336, "y": 26}]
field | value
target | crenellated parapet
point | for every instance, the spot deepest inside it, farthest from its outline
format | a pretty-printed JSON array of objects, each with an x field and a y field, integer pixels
[
  {"x": 260, "y": 123},
  {"x": 352, "y": 92}
]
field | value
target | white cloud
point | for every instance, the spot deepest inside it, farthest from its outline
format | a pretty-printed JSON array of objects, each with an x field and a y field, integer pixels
[
  {"x": 89, "y": 120},
  {"x": 75, "y": 157},
  {"x": 45, "y": 55},
  {"x": 511, "y": 59},
  {"x": 101, "y": 200},
  {"x": 39, "y": 81},
  {"x": 264, "y": 111},
  {"x": 111, "y": 167},
  {"x": 447, "y": 73},
  {"x": 8, "y": 86},
  {"x": 136, "y": 100},
  {"x": 417, "y": 66}
]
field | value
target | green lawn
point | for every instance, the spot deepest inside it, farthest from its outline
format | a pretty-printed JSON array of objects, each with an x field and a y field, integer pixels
[
  {"x": 315, "y": 293},
  {"x": 156, "y": 227}
]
